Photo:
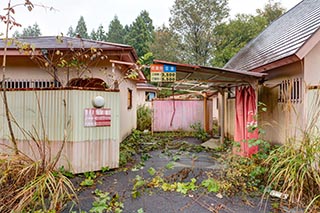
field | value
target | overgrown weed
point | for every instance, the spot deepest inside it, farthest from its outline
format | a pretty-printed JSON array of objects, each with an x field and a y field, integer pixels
[
  {"x": 26, "y": 187},
  {"x": 295, "y": 166},
  {"x": 144, "y": 118}
]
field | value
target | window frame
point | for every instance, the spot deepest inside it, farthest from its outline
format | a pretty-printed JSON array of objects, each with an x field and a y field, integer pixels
[
  {"x": 290, "y": 90},
  {"x": 129, "y": 99},
  {"x": 147, "y": 96}
]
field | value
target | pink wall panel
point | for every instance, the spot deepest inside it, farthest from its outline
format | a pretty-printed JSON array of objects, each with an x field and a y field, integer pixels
[{"x": 187, "y": 112}]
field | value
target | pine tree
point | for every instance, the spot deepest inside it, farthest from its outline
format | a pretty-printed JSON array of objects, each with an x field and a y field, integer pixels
[
  {"x": 116, "y": 31},
  {"x": 101, "y": 34},
  {"x": 81, "y": 28},
  {"x": 93, "y": 35},
  {"x": 141, "y": 33},
  {"x": 71, "y": 32}
]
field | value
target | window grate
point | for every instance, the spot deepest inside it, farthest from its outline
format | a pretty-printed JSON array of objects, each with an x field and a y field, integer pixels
[
  {"x": 290, "y": 90},
  {"x": 23, "y": 84}
]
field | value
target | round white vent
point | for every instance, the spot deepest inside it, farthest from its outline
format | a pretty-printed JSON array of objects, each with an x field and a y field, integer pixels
[{"x": 98, "y": 102}]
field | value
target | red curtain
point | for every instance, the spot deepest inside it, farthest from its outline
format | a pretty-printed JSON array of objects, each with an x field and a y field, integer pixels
[{"x": 246, "y": 107}]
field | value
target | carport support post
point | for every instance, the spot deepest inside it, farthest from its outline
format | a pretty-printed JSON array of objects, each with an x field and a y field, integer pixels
[
  {"x": 206, "y": 113},
  {"x": 222, "y": 116}
]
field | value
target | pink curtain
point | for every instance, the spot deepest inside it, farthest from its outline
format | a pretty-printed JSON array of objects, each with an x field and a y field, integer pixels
[{"x": 245, "y": 104}]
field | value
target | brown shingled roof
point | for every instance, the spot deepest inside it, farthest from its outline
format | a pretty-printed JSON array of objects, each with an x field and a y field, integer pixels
[
  {"x": 281, "y": 40},
  {"x": 51, "y": 42}
]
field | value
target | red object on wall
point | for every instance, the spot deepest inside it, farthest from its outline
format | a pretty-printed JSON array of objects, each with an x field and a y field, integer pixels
[{"x": 246, "y": 108}]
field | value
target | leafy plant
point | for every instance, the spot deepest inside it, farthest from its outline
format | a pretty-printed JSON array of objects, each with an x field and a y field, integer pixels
[
  {"x": 90, "y": 175},
  {"x": 139, "y": 182},
  {"x": 169, "y": 187},
  {"x": 87, "y": 182},
  {"x": 169, "y": 165},
  {"x": 105, "y": 169},
  {"x": 104, "y": 202},
  {"x": 199, "y": 132},
  {"x": 140, "y": 210},
  {"x": 185, "y": 187},
  {"x": 211, "y": 185},
  {"x": 66, "y": 173},
  {"x": 151, "y": 171}
]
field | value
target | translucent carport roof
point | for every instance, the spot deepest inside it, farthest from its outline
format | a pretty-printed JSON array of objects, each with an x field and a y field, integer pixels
[{"x": 202, "y": 78}]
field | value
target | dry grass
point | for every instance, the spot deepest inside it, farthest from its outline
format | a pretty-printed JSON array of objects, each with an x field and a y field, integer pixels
[
  {"x": 25, "y": 186},
  {"x": 28, "y": 185},
  {"x": 295, "y": 166}
]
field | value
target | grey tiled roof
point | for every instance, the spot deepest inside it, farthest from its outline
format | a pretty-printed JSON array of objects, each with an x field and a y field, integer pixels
[{"x": 283, "y": 38}]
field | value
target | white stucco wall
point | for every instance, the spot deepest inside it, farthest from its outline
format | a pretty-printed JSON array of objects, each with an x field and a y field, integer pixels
[
  {"x": 312, "y": 78},
  {"x": 312, "y": 66},
  {"x": 141, "y": 97},
  {"x": 128, "y": 117}
]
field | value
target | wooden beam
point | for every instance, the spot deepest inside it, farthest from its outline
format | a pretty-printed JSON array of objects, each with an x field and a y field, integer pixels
[
  {"x": 123, "y": 62},
  {"x": 206, "y": 112},
  {"x": 222, "y": 117}
]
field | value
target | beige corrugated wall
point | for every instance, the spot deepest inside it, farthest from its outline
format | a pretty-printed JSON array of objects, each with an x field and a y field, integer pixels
[{"x": 87, "y": 148}]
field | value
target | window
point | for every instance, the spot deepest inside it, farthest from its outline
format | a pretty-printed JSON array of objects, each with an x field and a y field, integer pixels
[
  {"x": 290, "y": 90},
  {"x": 129, "y": 98},
  {"x": 150, "y": 96},
  {"x": 22, "y": 84}
]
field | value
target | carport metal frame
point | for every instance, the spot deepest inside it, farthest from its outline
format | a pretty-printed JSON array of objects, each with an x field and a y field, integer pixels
[{"x": 207, "y": 81}]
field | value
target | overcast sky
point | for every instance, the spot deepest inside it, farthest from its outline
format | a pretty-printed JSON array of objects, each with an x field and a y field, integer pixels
[{"x": 96, "y": 12}]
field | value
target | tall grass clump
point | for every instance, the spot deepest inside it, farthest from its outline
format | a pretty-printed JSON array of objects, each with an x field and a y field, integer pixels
[
  {"x": 144, "y": 118},
  {"x": 295, "y": 166},
  {"x": 27, "y": 187},
  {"x": 34, "y": 184}
]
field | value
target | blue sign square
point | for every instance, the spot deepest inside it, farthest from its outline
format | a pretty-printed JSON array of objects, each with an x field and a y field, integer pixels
[{"x": 169, "y": 68}]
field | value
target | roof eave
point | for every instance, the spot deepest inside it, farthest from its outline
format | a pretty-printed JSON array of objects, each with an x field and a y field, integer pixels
[
  {"x": 279, "y": 63},
  {"x": 309, "y": 44},
  {"x": 208, "y": 69}
]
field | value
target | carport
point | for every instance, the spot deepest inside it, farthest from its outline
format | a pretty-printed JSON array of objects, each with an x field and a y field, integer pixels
[{"x": 211, "y": 80}]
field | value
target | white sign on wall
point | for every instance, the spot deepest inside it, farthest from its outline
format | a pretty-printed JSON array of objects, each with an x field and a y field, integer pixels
[{"x": 94, "y": 117}]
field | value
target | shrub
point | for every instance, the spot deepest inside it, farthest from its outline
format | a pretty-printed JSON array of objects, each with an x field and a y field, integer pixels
[
  {"x": 199, "y": 132},
  {"x": 144, "y": 118}
]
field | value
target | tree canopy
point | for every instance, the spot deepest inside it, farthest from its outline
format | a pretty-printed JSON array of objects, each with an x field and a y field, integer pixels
[
  {"x": 198, "y": 32},
  {"x": 165, "y": 45},
  {"x": 141, "y": 33},
  {"x": 194, "y": 21},
  {"x": 30, "y": 31},
  {"x": 230, "y": 37}
]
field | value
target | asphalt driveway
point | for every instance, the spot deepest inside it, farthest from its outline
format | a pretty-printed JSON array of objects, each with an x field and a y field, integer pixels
[{"x": 174, "y": 165}]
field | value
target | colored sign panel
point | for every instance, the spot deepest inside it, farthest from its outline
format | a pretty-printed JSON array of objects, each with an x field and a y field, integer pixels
[
  {"x": 156, "y": 67},
  {"x": 156, "y": 77},
  {"x": 94, "y": 117},
  {"x": 169, "y": 68},
  {"x": 168, "y": 77},
  {"x": 163, "y": 73}
]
